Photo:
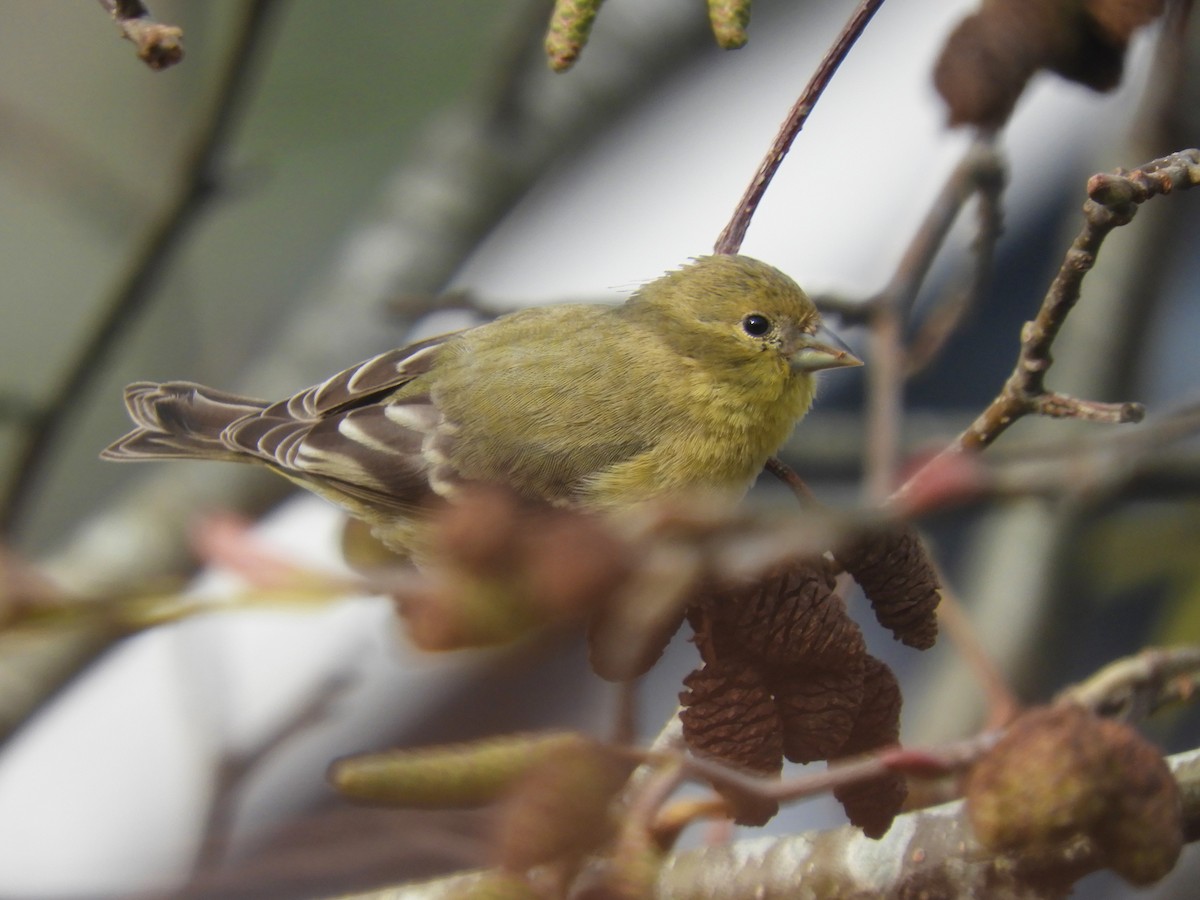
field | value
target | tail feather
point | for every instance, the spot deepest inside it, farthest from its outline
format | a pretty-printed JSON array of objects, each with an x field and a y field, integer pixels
[{"x": 180, "y": 420}]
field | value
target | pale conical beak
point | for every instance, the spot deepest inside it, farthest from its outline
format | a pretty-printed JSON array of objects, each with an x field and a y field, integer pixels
[{"x": 823, "y": 350}]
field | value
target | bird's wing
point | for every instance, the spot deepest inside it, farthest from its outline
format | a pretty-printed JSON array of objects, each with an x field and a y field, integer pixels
[
  {"x": 365, "y": 381},
  {"x": 351, "y": 430}
]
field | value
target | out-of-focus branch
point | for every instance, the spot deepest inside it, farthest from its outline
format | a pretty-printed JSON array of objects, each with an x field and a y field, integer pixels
[
  {"x": 1137, "y": 686},
  {"x": 235, "y": 768},
  {"x": 159, "y": 46},
  {"x": 930, "y": 850},
  {"x": 199, "y": 181},
  {"x": 943, "y": 319},
  {"x": 730, "y": 239}
]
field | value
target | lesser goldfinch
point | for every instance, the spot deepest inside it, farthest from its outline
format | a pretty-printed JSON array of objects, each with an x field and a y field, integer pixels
[{"x": 691, "y": 384}]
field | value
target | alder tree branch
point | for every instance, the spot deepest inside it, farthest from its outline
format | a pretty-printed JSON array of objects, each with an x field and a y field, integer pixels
[
  {"x": 730, "y": 239},
  {"x": 159, "y": 46},
  {"x": 1113, "y": 200},
  {"x": 198, "y": 185}
]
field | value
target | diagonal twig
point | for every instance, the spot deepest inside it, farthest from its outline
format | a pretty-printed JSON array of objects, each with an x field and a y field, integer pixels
[
  {"x": 1113, "y": 200},
  {"x": 730, "y": 239}
]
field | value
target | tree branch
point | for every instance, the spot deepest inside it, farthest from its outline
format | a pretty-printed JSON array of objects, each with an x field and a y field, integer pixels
[{"x": 1113, "y": 201}]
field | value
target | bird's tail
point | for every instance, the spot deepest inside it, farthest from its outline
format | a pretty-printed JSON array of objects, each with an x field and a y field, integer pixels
[{"x": 180, "y": 420}]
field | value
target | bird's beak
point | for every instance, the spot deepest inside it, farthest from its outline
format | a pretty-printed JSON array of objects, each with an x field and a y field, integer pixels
[{"x": 823, "y": 350}]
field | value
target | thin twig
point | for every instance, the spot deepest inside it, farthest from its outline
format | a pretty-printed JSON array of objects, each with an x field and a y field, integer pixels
[
  {"x": 166, "y": 236},
  {"x": 1002, "y": 703},
  {"x": 932, "y": 762},
  {"x": 730, "y": 239},
  {"x": 788, "y": 476},
  {"x": 988, "y": 175}
]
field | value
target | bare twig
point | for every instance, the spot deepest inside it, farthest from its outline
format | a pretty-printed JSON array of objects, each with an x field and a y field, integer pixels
[
  {"x": 1113, "y": 201},
  {"x": 165, "y": 237},
  {"x": 1002, "y": 703},
  {"x": 730, "y": 239},
  {"x": 943, "y": 320},
  {"x": 159, "y": 46},
  {"x": 926, "y": 851},
  {"x": 788, "y": 476}
]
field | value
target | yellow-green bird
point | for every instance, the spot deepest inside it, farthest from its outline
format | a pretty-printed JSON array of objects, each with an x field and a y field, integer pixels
[{"x": 690, "y": 385}]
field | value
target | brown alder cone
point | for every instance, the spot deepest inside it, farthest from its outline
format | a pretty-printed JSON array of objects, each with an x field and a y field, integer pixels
[
  {"x": 789, "y": 617},
  {"x": 898, "y": 579},
  {"x": 729, "y": 715},
  {"x": 874, "y": 803},
  {"x": 818, "y": 709}
]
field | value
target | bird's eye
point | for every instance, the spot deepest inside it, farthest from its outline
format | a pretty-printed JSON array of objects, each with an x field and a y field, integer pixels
[{"x": 756, "y": 325}]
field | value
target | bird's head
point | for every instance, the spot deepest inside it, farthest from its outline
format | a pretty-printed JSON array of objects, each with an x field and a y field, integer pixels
[{"x": 735, "y": 310}]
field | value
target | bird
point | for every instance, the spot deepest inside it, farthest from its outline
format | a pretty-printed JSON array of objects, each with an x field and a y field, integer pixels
[{"x": 689, "y": 385}]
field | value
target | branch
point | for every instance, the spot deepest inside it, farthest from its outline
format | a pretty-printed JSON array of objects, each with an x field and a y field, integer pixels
[
  {"x": 1113, "y": 201},
  {"x": 1137, "y": 686},
  {"x": 159, "y": 46},
  {"x": 132, "y": 295},
  {"x": 730, "y": 239},
  {"x": 927, "y": 852}
]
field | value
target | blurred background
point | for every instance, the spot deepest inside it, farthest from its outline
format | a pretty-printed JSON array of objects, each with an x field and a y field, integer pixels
[{"x": 381, "y": 152}]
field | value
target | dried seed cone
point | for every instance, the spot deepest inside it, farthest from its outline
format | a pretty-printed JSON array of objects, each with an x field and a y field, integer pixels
[
  {"x": 730, "y": 715},
  {"x": 788, "y": 618},
  {"x": 898, "y": 579},
  {"x": 818, "y": 709},
  {"x": 873, "y": 804}
]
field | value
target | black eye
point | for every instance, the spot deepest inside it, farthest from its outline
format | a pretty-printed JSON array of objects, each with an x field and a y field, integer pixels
[{"x": 756, "y": 325}]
